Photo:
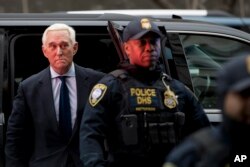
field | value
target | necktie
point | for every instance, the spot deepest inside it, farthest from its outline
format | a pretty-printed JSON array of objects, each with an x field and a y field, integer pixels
[{"x": 64, "y": 110}]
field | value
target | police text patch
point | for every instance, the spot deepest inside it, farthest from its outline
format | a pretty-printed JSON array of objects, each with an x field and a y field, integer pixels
[{"x": 143, "y": 99}]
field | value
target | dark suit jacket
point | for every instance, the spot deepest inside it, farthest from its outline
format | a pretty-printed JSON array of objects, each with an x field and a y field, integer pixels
[{"x": 33, "y": 137}]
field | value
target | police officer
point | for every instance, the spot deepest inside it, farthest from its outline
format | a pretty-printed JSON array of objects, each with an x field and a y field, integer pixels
[
  {"x": 136, "y": 114},
  {"x": 228, "y": 144}
]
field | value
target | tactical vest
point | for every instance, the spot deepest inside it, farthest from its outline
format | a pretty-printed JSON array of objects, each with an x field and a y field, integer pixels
[{"x": 151, "y": 117}]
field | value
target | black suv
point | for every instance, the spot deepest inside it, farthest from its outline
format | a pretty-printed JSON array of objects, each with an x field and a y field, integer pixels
[
  {"x": 211, "y": 16},
  {"x": 192, "y": 52}
]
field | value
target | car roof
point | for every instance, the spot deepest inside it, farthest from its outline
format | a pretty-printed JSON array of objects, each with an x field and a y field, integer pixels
[
  {"x": 171, "y": 25},
  {"x": 213, "y": 16},
  {"x": 156, "y": 12}
]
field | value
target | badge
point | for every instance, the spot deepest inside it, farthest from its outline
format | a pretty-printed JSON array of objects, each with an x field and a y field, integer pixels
[
  {"x": 97, "y": 94},
  {"x": 145, "y": 23},
  {"x": 170, "y": 99}
]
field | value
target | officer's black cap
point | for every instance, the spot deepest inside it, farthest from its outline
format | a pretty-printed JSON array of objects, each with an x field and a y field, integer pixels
[
  {"x": 235, "y": 76},
  {"x": 140, "y": 27}
]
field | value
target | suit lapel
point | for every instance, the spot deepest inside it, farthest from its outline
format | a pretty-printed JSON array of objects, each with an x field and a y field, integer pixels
[
  {"x": 47, "y": 97},
  {"x": 81, "y": 87}
]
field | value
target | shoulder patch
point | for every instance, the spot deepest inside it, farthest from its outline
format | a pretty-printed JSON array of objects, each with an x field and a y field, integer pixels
[{"x": 97, "y": 94}]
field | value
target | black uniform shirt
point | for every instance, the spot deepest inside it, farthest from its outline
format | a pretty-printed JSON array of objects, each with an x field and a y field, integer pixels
[{"x": 101, "y": 119}]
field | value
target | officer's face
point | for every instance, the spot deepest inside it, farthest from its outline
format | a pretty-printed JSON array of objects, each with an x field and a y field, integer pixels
[
  {"x": 237, "y": 106},
  {"x": 143, "y": 52},
  {"x": 59, "y": 50}
]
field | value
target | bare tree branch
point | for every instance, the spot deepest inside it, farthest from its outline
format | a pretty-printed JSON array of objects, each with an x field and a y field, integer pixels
[
  {"x": 242, "y": 8},
  {"x": 187, "y": 4},
  {"x": 25, "y": 6},
  {"x": 165, "y": 4}
]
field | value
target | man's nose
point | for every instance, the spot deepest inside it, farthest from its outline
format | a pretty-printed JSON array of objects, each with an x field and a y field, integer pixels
[
  {"x": 59, "y": 50},
  {"x": 149, "y": 46}
]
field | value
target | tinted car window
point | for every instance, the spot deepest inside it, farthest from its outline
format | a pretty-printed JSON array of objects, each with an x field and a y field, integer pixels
[{"x": 205, "y": 56}]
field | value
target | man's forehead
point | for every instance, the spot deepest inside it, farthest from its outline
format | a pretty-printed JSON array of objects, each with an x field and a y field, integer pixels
[
  {"x": 54, "y": 42},
  {"x": 56, "y": 37}
]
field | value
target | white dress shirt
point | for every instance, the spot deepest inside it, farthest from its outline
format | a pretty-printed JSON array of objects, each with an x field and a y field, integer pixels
[{"x": 71, "y": 84}]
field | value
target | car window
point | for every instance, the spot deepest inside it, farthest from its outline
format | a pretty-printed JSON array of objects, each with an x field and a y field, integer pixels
[{"x": 205, "y": 56}]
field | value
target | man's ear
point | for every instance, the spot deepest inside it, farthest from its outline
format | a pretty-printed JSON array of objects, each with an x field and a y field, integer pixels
[
  {"x": 75, "y": 47},
  {"x": 126, "y": 48}
]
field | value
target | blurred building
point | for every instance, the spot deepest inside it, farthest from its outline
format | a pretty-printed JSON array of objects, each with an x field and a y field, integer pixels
[{"x": 236, "y": 7}]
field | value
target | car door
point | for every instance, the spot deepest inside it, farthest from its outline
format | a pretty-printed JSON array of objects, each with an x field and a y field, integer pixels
[
  {"x": 207, "y": 47},
  {"x": 2, "y": 121}
]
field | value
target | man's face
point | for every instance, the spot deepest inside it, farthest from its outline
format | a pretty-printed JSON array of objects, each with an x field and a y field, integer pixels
[
  {"x": 237, "y": 106},
  {"x": 143, "y": 52},
  {"x": 59, "y": 50}
]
